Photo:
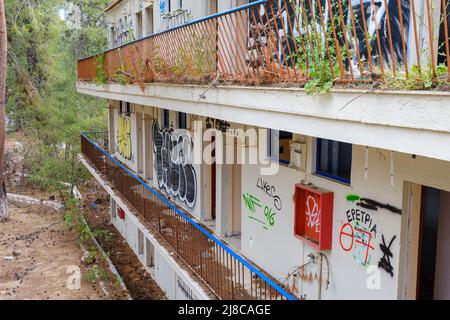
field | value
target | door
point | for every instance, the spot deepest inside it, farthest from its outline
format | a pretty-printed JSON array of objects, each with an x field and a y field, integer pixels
[
  {"x": 212, "y": 7},
  {"x": 148, "y": 148},
  {"x": 149, "y": 21},
  {"x": 213, "y": 180},
  {"x": 140, "y": 143},
  {"x": 433, "y": 271},
  {"x": 112, "y": 129},
  {"x": 138, "y": 25},
  {"x": 234, "y": 200}
]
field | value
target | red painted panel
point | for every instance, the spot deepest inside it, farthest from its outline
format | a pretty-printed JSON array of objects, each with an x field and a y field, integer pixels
[
  {"x": 314, "y": 216},
  {"x": 121, "y": 213}
]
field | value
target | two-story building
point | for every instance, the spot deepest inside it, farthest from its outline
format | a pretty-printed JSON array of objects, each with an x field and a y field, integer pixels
[{"x": 278, "y": 149}]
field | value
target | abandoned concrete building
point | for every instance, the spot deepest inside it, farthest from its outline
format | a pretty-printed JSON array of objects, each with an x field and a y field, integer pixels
[{"x": 278, "y": 149}]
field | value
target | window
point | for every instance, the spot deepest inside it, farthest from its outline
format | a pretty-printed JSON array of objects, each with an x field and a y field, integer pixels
[
  {"x": 163, "y": 6},
  {"x": 212, "y": 7},
  {"x": 120, "y": 107},
  {"x": 128, "y": 109},
  {"x": 138, "y": 25},
  {"x": 182, "y": 122},
  {"x": 334, "y": 160},
  {"x": 149, "y": 21},
  {"x": 166, "y": 118},
  {"x": 140, "y": 242},
  {"x": 279, "y": 148}
]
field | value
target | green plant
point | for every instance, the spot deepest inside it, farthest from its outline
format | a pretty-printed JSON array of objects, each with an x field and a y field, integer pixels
[
  {"x": 95, "y": 273},
  {"x": 91, "y": 256},
  {"x": 418, "y": 78},
  {"x": 101, "y": 76},
  {"x": 318, "y": 55}
]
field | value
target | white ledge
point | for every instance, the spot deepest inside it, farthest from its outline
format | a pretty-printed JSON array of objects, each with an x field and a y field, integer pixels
[{"x": 415, "y": 122}]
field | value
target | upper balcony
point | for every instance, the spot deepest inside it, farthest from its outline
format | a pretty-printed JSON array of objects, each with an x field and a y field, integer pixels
[{"x": 383, "y": 44}]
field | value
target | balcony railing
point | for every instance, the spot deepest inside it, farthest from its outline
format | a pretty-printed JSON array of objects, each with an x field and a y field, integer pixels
[
  {"x": 402, "y": 43},
  {"x": 224, "y": 271}
]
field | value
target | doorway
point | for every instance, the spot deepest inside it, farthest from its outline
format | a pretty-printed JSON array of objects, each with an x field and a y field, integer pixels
[
  {"x": 148, "y": 148},
  {"x": 140, "y": 143},
  {"x": 212, "y": 7},
  {"x": 428, "y": 262},
  {"x": 139, "y": 28},
  {"x": 149, "y": 21},
  {"x": 213, "y": 180}
]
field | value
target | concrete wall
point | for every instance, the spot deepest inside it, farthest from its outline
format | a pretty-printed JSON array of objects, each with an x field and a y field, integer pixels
[
  {"x": 172, "y": 279},
  {"x": 377, "y": 174},
  {"x": 130, "y": 8},
  {"x": 169, "y": 274},
  {"x": 415, "y": 122},
  {"x": 279, "y": 252},
  {"x": 195, "y": 207}
]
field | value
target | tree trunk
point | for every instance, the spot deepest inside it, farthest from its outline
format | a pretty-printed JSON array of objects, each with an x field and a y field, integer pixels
[{"x": 4, "y": 212}]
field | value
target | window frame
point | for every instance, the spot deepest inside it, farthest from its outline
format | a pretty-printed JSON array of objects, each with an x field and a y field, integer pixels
[
  {"x": 179, "y": 120},
  {"x": 326, "y": 174},
  {"x": 128, "y": 109},
  {"x": 167, "y": 126},
  {"x": 282, "y": 162}
]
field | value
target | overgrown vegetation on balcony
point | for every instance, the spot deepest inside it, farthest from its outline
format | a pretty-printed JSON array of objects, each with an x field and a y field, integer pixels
[{"x": 313, "y": 44}]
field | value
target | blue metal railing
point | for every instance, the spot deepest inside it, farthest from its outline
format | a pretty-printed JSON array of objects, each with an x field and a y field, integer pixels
[
  {"x": 206, "y": 18},
  {"x": 235, "y": 255}
]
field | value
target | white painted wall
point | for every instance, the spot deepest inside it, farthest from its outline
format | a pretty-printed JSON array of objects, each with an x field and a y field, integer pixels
[
  {"x": 129, "y": 8},
  {"x": 167, "y": 269},
  {"x": 277, "y": 250}
]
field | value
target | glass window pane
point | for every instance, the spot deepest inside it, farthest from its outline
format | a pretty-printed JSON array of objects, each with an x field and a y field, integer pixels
[
  {"x": 334, "y": 159},
  {"x": 182, "y": 120}
]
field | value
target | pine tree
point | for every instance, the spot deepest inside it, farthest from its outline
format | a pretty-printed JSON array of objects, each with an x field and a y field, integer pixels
[{"x": 4, "y": 212}]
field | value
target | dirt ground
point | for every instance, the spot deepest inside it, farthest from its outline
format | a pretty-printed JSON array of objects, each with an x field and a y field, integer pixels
[
  {"x": 36, "y": 253},
  {"x": 139, "y": 283},
  {"x": 36, "y": 249}
]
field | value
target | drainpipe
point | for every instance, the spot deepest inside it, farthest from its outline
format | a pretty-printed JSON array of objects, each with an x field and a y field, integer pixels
[{"x": 319, "y": 291}]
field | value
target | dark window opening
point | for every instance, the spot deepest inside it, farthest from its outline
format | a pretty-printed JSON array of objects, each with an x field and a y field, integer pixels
[
  {"x": 334, "y": 160},
  {"x": 182, "y": 120},
  {"x": 279, "y": 146},
  {"x": 166, "y": 118}
]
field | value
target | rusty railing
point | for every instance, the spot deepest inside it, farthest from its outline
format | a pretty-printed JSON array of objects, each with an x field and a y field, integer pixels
[
  {"x": 225, "y": 272},
  {"x": 291, "y": 41}
]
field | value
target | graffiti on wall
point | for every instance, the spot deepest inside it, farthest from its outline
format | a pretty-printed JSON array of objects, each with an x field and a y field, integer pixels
[
  {"x": 376, "y": 22},
  {"x": 312, "y": 214},
  {"x": 357, "y": 240},
  {"x": 270, "y": 191},
  {"x": 124, "y": 137},
  {"x": 174, "y": 170},
  {"x": 267, "y": 212},
  {"x": 123, "y": 32},
  {"x": 361, "y": 218},
  {"x": 359, "y": 233},
  {"x": 385, "y": 261},
  {"x": 372, "y": 204},
  {"x": 257, "y": 209}
]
